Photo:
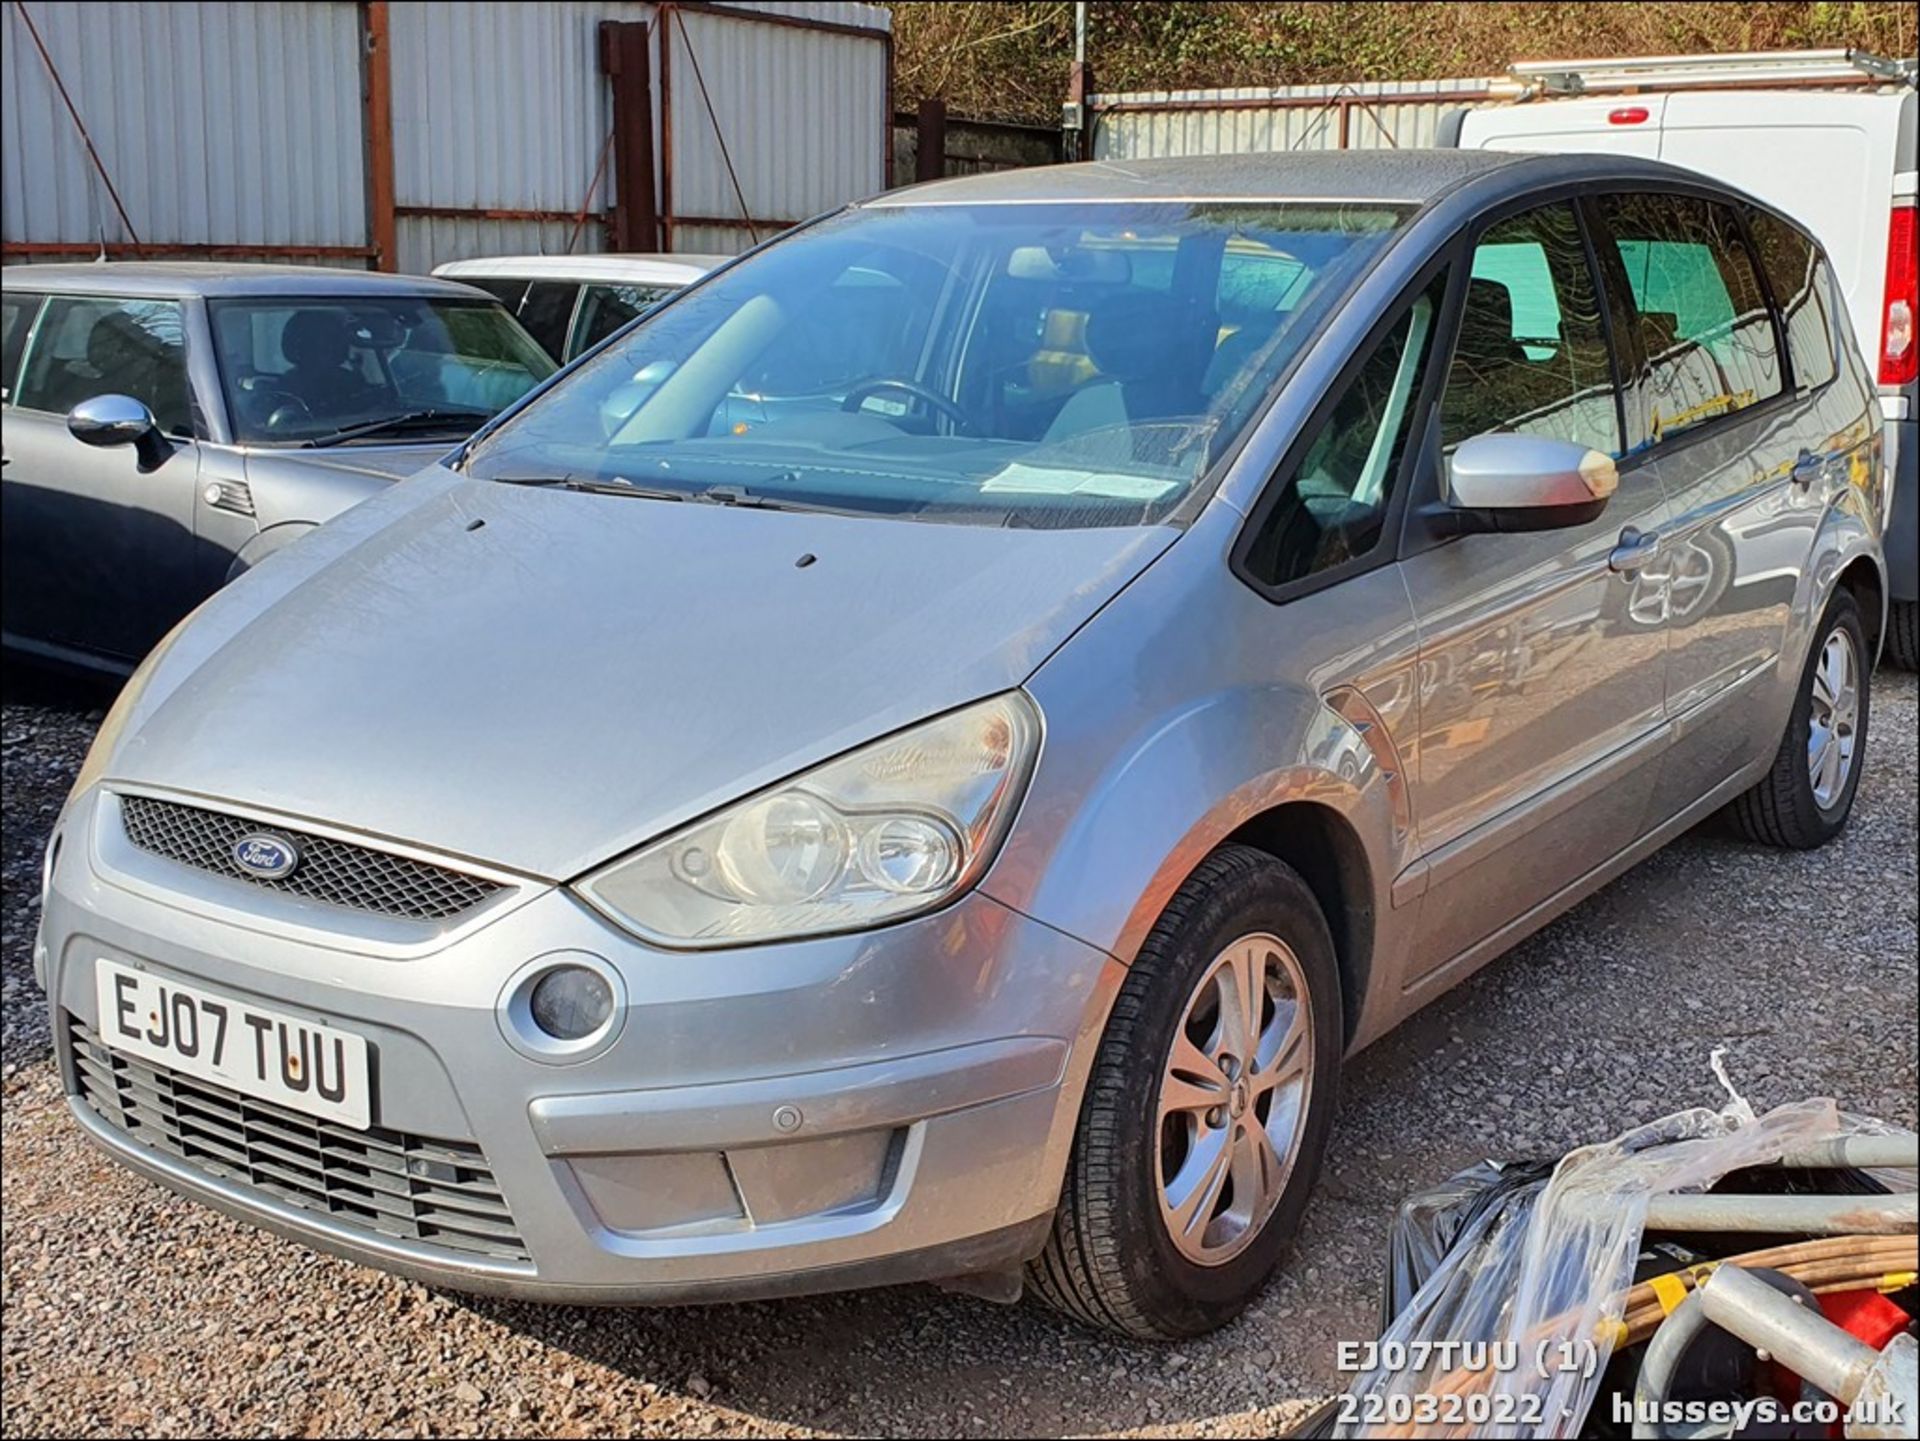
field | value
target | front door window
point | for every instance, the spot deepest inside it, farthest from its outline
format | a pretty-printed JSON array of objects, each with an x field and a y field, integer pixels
[{"x": 1532, "y": 353}]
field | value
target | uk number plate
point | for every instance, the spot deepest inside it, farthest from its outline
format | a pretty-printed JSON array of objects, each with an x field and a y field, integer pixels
[{"x": 247, "y": 1048}]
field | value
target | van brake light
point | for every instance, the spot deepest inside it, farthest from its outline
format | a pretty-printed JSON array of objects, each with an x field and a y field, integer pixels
[{"x": 1899, "y": 351}]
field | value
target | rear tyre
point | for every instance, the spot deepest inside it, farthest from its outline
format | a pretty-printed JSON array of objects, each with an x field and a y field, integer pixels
[
  {"x": 1207, "y": 1112},
  {"x": 1804, "y": 799},
  {"x": 1903, "y": 634}
]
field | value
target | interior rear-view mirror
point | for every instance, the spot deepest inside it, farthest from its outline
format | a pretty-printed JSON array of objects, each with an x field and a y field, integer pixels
[{"x": 378, "y": 330}]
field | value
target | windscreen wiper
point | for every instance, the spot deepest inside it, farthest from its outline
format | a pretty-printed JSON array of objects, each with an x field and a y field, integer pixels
[
  {"x": 742, "y": 498},
  {"x": 591, "y": 487},
  {"x": 433, "y": 419},
  {"x": 729, "y": 495}
]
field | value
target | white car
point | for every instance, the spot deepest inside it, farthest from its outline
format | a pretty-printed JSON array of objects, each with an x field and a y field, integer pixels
[
  {"x": 570, "y": 303},
  {"x": 1839, "y": 159}
]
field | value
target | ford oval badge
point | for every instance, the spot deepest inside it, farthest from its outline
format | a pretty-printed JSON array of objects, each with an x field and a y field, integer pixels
[{"x": 265, "y": 856}]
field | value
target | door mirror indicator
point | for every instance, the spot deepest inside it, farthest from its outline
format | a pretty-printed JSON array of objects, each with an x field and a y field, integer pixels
[
  {"x": 1508, "y": 481},
  {"x": 109, "y": 420}
]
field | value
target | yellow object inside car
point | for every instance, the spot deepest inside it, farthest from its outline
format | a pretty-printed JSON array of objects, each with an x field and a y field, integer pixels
[{"x": 1060, "y": 363}]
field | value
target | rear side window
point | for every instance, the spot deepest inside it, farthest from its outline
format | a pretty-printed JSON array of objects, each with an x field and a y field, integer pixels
[
  {"x": 1802, "y": 288},
  {"x": 17, "y": 309},
  {"x": 544, "y": 307},
  {"x": 90, "y": 347},
  {"x": 1705, "y": 336},
  {"x": 1333, "y": 507},
  {"x": 605, "y": 308},
  {"x": 1532, "y": 352}
]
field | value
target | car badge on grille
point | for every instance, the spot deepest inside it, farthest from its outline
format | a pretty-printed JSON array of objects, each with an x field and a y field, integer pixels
[{"x": 266, "y": 856}]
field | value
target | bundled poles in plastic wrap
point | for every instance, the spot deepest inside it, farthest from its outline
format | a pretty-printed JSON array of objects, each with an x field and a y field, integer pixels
[{"x": 1543, "y": 1270}]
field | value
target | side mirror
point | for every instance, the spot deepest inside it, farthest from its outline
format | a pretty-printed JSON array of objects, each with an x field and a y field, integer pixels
[
  {"x": 1507, "y": 481},
  {"x": 108, "y": 420}
]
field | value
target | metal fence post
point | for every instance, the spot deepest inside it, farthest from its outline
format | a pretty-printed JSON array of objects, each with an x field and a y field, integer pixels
[
  {"x": 930, "y": 142},
  {"x": 625, "y": 61},
  {"x": 383, "y": 226}
]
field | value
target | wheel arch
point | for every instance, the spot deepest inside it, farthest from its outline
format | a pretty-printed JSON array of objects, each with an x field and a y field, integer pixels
[
  {"x": 1846, "y": 553},
  {"x": 1861, "y": 578},
  {"x": 1322, "y": 845}
]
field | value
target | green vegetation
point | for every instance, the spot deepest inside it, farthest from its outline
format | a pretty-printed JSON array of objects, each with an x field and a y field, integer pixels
[{"x": 1010, "y": 61}]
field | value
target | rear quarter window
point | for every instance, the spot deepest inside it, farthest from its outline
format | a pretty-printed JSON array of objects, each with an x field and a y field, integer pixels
[
  {"x": 605, "y": 308},
  {"x": 1803, "y": 289}
]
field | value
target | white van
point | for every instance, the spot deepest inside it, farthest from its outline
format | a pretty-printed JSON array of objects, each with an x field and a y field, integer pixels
[{"x": 1839, "y": 158}]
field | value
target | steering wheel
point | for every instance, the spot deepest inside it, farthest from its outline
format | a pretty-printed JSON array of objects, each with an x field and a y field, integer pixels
[{"x": 914, "y": 388}]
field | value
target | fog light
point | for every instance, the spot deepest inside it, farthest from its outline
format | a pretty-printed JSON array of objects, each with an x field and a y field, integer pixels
[
  {"x": 563, "y": 1007},
  {"x": 571, "y": 1002}
]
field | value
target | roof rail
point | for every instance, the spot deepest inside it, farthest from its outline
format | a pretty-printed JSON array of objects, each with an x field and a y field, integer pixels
[{"x": 1758, "y": 68}]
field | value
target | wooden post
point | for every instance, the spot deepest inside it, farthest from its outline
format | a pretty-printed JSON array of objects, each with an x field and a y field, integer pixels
[
  {"x": 930, "y": 145},
  {"x": 624, "y": 59},
  {"x": 383, "y": 226},
  {"x": 886, "y": 118}
]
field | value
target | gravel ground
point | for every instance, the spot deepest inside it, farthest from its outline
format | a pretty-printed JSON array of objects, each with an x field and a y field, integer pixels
[{"x": 128, "y": 1312}]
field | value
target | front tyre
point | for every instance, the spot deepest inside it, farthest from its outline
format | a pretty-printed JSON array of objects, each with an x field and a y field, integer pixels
[
  {"x": 1804, "y": 799},
  {"x": 1207, "y": 1112}
]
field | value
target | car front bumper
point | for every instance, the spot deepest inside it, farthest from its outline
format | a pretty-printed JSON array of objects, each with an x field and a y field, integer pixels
[{"x": 806, "y": 1116}]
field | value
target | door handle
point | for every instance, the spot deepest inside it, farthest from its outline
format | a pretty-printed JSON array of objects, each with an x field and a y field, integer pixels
[
  {"x": 1635, "y": 549},
  {"x": 1807, "y": 469}
]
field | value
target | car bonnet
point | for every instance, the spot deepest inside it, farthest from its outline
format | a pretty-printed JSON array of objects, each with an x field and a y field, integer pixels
[{"x": 542, "y": 679}]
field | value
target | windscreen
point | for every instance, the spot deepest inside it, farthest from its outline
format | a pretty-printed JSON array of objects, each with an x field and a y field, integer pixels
[
  {"x": 1044, "y": 364},
  {"x": 324, "y": 369}
]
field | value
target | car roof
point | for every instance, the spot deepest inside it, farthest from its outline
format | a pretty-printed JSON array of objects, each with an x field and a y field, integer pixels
[
  {"x": 1394, "y": 177},
  {"x": 180, "y": 279},
  {"x": 643, "y": 269}
]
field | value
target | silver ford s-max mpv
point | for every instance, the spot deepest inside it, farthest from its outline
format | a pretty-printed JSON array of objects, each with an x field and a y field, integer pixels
[{"x": 921, "y": 756}]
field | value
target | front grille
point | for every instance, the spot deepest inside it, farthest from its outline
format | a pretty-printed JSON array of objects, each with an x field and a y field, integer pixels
[
  {"x": 388, "y": 1182},
  {"x": 337, "y": 872}
]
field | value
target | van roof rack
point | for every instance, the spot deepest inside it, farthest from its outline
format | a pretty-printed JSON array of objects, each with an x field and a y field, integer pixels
[{"x": 1757, "y": 68}]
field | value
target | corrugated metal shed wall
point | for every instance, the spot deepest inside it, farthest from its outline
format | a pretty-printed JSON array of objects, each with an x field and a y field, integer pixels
[
  {"x": 228, "y": 124},
  {"x": 497, "y": 105},
  {"x": 804, "y": 115},
  {"x": 220, "y": 124},
  {"x": 1282, "y": 117}
]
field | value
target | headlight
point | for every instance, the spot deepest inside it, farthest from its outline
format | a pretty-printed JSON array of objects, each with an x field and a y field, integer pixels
[{"x": 887, "y": 831}]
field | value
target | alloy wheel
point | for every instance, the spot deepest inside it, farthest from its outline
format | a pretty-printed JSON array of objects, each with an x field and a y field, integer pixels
[
  {"x": 1833, "y": 720},
  {"x": 1233, "y": 1097}
]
